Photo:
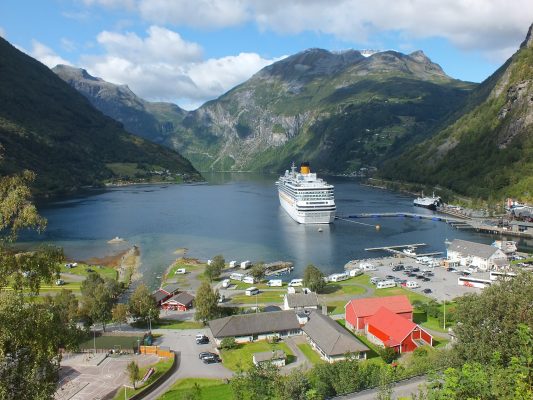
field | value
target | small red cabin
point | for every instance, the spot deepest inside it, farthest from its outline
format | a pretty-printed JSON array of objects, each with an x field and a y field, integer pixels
[
  {"x": 181, "y": 302},
  {"x": 357, "y": 311}
]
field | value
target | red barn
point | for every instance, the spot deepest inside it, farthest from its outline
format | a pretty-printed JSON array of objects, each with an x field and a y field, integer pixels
[
  {"x": 358, "y": 311},
  {"x": 389, "y": 329}
]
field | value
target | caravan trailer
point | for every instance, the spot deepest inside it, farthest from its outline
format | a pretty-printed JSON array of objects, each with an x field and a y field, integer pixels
[
  {"x": 275, "y": 282},
  {"x": 338, "y": 277},
  {"x": 236, "y": 276},
  {"x": 232, "y": 264},
  {"x": 385, "y": 284},
  {"x": 248, "y": 279},
  {"x": 246, "y": 264}
]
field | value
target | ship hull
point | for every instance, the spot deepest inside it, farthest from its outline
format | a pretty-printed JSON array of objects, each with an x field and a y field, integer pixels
[
  {"x": 306, "y": 217},
  {"x": 431, "y": 206}
]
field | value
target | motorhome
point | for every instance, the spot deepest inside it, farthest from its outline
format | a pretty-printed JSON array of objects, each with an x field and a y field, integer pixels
[
  {"x": 251, "y": 291},
  {"x": 338, "y": 277},
  {"x": 275, "y": 282},
  {"x": 246, "y": 264},
  {"x": 412, "y": 285},
  {"x": 374, "y": 280},
  {"x": 236, "y": 277},
  {"x": 232, "y": 264},
  {"x": 368, "y": 267},
  {"x": 248, "y": 279},
  {"x": 385, "y": 284},
  {"x": 355, "y": 272},
  {"x": 226, "y": 283}
]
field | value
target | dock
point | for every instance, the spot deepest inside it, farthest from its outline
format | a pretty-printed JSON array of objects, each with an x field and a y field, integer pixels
[
  {"x": 433, "y": 217},
  {"x": 397, "y": 249}
]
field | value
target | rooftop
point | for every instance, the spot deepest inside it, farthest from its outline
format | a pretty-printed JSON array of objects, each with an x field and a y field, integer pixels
[
  {"x": 296, "y": 300},
  {"x": 330, "y": 337},
  {"x": 472, "y": 248},
  {"x": 269, "y": 356},
  {"x": 253, "y": 324},
  {"x": 181, "y": 298},
  {"x": 394, "y": 326},
  {"x": 369, "y": 306},
  {"x": 170, "y": 288}
]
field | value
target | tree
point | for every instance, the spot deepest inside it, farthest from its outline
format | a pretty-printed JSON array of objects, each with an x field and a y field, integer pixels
[
  {"x": 119, "y": 313},
  {"x": 257, "y": 383},
  {"x": 314, "y": 278},
  {"x": 258, "y": 271},
  {"x": 294, "y": 386},
  {"x": 31, "y": 334},
  {"x": 142, "y": 305},
  {"x": 213, "y": 270},
  {"x": 489, "y": 320},
  {"x": 388, "y": 354},
  {"x": 228, "y": 343},
  {"x": 133, "y": 372},
  {"x": 206, "y": 303},
  {"x": 98, "y": 298}
]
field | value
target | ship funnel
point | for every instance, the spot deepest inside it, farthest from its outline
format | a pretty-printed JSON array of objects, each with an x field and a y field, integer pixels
[{"x": 304, "y": 168}]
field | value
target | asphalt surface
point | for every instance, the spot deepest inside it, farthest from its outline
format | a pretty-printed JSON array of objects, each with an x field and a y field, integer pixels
[{"x": 402, "y": 389}]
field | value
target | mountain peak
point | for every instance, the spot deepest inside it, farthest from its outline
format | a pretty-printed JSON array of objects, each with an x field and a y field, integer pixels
[
  {"x": 528, "y": 41},
  {"x": 67, "y": 71}
]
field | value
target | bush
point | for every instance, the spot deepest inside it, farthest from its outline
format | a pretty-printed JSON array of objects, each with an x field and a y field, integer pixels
[
  {"x": 388, "y": 354},
  {"x": 228, "y": 343}
]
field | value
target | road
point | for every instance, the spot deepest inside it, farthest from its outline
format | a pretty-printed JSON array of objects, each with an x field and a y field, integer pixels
[{"x": 402, "y": 389}]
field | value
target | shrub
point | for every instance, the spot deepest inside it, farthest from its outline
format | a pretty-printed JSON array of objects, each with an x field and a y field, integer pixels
[
  {"x": 228, "y": 343},
  {"x": 388, "y": 354}
]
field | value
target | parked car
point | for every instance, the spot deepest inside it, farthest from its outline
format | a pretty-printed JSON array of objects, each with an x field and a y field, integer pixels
[
  {"x": 206, "y": 354},
  {"x": 211, "y": 359},
  {"x": 427, "y": 290},
  {"x": 426, "y": 279},
  {"x": 202, "y": 340},
  {"x": 415, "y": 269},
  {"x": 398, "y": 267}
]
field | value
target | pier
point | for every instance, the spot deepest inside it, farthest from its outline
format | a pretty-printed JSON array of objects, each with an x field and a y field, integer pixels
[
  {"x": 433, "y": 217},
  {"x": 397, "y": 249}
]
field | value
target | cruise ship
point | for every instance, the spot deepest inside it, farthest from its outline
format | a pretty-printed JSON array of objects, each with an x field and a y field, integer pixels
[{"x": 306, "y": 198}]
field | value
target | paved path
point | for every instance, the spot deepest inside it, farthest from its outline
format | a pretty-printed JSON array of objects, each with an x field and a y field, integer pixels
[
  {"x": 301, "y": 359},
  {"x": 402, "y": 389}
]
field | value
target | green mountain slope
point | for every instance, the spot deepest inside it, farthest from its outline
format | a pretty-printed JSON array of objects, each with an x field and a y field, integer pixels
[
  {"x": 487, "y": 152},
  {"x": 341, "y": 111},
  {"x": 48, "y": 127}
]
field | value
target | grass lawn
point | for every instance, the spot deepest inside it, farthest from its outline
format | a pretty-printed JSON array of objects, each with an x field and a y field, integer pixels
[
  {"x": 241, "y": 357},
  {"x": 109, "y": 342},
  {"x": 242, "y": 285},
  {"x": 310, "y": 354},
  {"x": 262, "y": 297},
  {"x": 83, "y": 270},
  {"x": 336, "y": 307},
  {"x": 160, "y": 367},
  {"x": 210, "y": 389},
  {"x": 173, "y": 324},
  {"x": 397, "y": 291}
]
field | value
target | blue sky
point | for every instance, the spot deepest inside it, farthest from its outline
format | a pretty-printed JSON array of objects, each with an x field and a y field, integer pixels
[{"x": 190, "y": 51}]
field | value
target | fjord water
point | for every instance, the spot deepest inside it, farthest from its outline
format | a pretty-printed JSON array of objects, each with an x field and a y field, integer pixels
[{"x": 238, "y": 216}]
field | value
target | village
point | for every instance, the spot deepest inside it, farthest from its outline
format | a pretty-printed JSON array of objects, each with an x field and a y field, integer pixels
[{"x": 378, "y": 309}]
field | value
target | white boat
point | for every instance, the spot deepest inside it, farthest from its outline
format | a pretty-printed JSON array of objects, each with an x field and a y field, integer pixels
[
  {"x": 427, "y": 202},
  {"x": 306, "y": 198},
  {"x": 410, "y": 251}
]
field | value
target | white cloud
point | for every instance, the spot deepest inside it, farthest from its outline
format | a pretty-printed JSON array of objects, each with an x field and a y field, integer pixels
[
  {"x": 163, "y": 66},
  {"x": 127, "y": 4},
  {"x": 493, "y": 27},
  {"x": 68, "y": 45},
  {"x": 46, "y": 55}
]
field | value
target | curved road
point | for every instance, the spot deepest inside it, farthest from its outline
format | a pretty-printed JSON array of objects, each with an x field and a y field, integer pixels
[{"x": 402, "y": 389}]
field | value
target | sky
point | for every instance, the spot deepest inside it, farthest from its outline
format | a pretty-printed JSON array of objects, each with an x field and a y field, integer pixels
[{"x": 191, "y": 51}]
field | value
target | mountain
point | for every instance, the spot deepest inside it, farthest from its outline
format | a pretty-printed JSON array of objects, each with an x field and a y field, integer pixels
[
  {"x": 153, "y": 121},
  {"x": 486, "y": 151},
  {"x": 48, "y": 127},
  {"x": 339, "y": 110}
]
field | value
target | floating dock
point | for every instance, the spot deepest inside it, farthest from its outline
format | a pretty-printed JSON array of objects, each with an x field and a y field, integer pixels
[{"x": 397, "y": 249}]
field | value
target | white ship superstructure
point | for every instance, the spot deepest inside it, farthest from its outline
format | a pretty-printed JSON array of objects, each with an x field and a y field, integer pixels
[
  {"x": 427, "y": 202},
  {"x": 306, "y": 198}
]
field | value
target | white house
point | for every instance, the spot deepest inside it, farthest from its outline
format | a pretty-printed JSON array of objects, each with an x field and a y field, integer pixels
[
  {"x": 275, "y": 357},
  {"x": 477, "y": 255}
]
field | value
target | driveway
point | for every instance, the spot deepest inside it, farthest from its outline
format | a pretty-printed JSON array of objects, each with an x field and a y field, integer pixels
[{"x": 183, "y": 342}]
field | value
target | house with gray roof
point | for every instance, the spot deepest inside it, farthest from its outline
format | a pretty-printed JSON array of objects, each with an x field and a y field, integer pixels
[
  {"x": 332, "y": 341},
  {"x": 476, "y": 255},
  {"x": 275, "y": 357},
  {"x": 257, "y": 326},
  {"x": 300, "y": 301}
]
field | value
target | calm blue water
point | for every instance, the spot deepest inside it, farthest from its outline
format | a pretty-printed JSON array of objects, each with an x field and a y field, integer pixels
[{"x": 238, "y": 216}]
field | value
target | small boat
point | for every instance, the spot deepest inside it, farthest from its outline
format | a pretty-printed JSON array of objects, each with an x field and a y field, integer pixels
[{"x": 410, "y": 251}]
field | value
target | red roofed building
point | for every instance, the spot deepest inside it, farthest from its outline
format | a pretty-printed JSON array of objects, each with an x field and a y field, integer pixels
[
  {"x": 388, "y": 329},
  {"x": 358, "y": 311}
]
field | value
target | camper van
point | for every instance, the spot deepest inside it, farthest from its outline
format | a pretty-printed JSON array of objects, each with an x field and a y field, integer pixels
[
  {"x": 232, "y": 264},
  {"x": 338, "y": 277},
  {"x": 275, "y": 282},
  {"x": 246, "y": 264},
  {"x": 385, "y": 284},
  {"x": 412, "y": 285},
  {"x": 296, "y": 282},
  {"x": 248, "y": 279},
  {"x": 251, "y": 291},
  {"x": 355, "y": 272},
  {"x": 236, "y": 277},
  {"x": 225, "y": 283},
  {"x": 368, "y": 267}
]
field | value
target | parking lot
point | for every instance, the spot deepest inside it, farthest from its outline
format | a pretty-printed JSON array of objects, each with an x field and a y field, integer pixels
[{"x": 443, "y": 283}]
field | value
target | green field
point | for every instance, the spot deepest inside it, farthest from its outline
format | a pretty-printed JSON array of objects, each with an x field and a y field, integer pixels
[
  {"x": 109, "y": 342},
  {"x": 210, "y": 389},
  {"x": 241, "y": 357},
  {"x": 310, "y": 354},
  {"x": 262, "y": 297},
  {"x": 84, "y": 270}
]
